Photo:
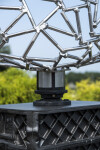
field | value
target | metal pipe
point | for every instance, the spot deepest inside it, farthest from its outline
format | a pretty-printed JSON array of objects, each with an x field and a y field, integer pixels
[
  {"x": 73, "y": 57},
  {"x": 2, "y": 44},
  {"x": 52, "y": 40},
  {"x": 9, "y": 65},
  {"x": 14, "y": 22},
  {"x": 40, "y": 65},
  {"x": 91, "y": 1},
  {"x": 10, "y": 56},
  {"x": 97, "y": 45},
  {"x": 31, "y": 44},
  {"x": 10, "y": 8},
  {"x": 51, "y": 1},
  {"x": 68, "y": 23},
  {"x": 21, "y": 33},
  {"x": 49, "y": 16},
  {"x": 78, "y": 6},
  {"x": 90, "y": 63},
  {"x": 67, "y": 65},
  {"x": 98, "y": 21},
  {"x": 83, "y": 56},
  {"x": 90, "y": 18},
  {"x": 60, "y": 31},
  {"x": 95, "y": 12},
  {"x": 93, "y": 40},
  {"x": 57, "y": 61},
  {"x": 40, "y": 59},
  {"x": 29, "y": 14},
  {"x": 13, "y": 62},
  {"x": 75, "y": 48},
  {"x": 78, "y": 21}
]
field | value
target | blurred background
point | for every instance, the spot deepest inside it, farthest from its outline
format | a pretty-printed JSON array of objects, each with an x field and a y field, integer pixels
[{"x": 17, "y": 86}]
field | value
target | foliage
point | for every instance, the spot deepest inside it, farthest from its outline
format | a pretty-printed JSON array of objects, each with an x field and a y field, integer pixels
[
  {"x": 17, "y": 87},
  {"x": 5, "y": 50},
  {"x": 85, "y": 91},
  {"x": 73, "y": 77}
]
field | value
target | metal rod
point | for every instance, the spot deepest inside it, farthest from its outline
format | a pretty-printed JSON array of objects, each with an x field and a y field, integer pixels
[
  {"x": 10, "y": 8},
  {"x": 50, "y": 15},
  {"x": 67, "y": 65},
  {"x": 83, "y": 56},
  {"x": 95, "y": 12},
  {"x": 91, "y": 1},
  {"x": 73, "y": 57},
  {"x": 75, "y": 48},
  {"x": 96, "y": 35},
  {"x": 9, "y": 65},
  {"x": 2, "y": 44},
  {"x": 21, "y": 33},
  {"x": 14, "y": 22},
  {"x": 90, "y": 18},
  {"x": 10, "y": 56},
  {"x": 57, "y": 61},
  {"x": 13, "y": 62},
  {"x": 51, "y": 1},
  {"x": 97, "y": 45},
  {"x": 68, "y": 23},
  {"x": 78, "y": 21},
  {"x": 98, "y": 21},
  {"x": 90, "y": 63},
  {"x": 78, "y": 6},
  {"x": 31, "y": 44},
  {"x": 29, "y": 14},
  {"x": 60, "y": 31},
  {"x": 40, "y": 59},
  {"x": 93, "y": 40},
  {"x": 40, "y": 65},
  {"x": 52, "y": 41}
]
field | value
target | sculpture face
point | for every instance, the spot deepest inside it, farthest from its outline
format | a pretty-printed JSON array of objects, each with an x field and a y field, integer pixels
[{"x": 87, "y": 46}]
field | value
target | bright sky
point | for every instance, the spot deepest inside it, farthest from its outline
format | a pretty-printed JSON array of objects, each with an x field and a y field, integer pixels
[{"x": 43, "y": 48}]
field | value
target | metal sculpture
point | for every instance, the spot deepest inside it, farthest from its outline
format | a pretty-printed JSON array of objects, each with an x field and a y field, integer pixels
[
  {"x": 87, "y": 46},
  {"x": 33, "y": 63}
]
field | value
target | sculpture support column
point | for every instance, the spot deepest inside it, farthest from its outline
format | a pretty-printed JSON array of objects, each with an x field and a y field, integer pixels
[{"x": 51, "y": 87}]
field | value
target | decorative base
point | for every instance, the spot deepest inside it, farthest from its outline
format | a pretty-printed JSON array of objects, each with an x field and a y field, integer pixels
[
  {"x": 52, "y": 102},
  {"x": 27, "y": 127}
]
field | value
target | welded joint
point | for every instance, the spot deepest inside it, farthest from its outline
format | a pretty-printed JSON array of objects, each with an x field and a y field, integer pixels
[
  {"x": 3, "y": 37},
  {"x": 41, "y": 27},
  {"x": 90, "y": 1},
  {"x": 24, "y": 9},
  {"x": 90, "y": 46},
  {"x": 61, "y": 5},
  {"x": 76, "y": 10},
  {"x": 92, "y": 34},
  {"x": 94, "y": 24}
]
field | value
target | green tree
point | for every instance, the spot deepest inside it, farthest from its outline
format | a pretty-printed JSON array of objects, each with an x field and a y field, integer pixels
[
  {"x": 17, "y": 87},
  {"x": 86, "y": 90},
  {"x": 6, "y": 50},
  {"x": 77, "y": 77}
]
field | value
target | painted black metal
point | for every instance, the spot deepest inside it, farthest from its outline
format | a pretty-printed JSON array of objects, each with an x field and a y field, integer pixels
[
  {"x": 51, "y": 96},
  {"x": 24, "y": 127}
]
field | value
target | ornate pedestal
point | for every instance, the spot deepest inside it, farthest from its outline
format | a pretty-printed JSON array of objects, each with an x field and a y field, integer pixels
[{"x": 28, "y": 127}]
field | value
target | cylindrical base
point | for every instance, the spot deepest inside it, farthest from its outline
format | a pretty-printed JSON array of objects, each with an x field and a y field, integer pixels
[{"x": 51, "y": 87}]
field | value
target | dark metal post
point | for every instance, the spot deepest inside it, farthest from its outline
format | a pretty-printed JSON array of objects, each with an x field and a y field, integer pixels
[{"x": 51, "y": 87}]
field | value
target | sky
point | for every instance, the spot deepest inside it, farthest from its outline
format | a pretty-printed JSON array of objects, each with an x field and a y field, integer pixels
[{"x": 42, "y": 47}]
